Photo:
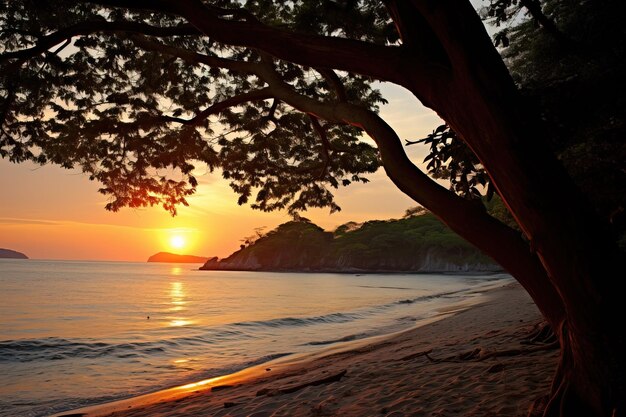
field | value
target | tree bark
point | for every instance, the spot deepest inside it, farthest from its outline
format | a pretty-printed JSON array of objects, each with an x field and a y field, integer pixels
[{"x": 576, "y": 249}]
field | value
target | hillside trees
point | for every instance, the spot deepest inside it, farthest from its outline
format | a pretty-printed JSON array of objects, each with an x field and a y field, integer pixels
[
  {"x": 127, "y": 90},
  {"x": 415, "y": 243}
]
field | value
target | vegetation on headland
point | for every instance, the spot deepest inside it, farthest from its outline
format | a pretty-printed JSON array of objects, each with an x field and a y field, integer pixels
[
  {"x": 419, "y": 243},
  {"x": 176, "y": 258},
  {"x": 11, "y": 254}
]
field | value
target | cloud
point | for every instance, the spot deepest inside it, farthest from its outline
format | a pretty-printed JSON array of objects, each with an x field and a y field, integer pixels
[{"x": 18, "y": 222}]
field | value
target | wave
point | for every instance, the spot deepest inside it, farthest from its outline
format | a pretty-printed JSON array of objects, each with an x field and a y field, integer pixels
[
  {"x": 346, "y": 317},
  {"x": 303, "y": 321},
  {"x": 41, "y": 408},
  {"x": 54, "y": 348},
  {"x": 384, "y": 287},
  {"x": 348, "y": 338}
]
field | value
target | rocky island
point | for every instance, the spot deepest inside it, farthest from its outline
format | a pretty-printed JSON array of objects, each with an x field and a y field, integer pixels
[
  {"x": 414, "y": 244},
  {"x": 175, "y": 258},
  {"x": 11, "y": 254}
]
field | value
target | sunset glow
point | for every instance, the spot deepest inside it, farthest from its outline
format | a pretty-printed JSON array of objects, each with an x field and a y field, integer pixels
[
  {"x": 75, "y": 225},
  {"x": 177, "y": 242}
]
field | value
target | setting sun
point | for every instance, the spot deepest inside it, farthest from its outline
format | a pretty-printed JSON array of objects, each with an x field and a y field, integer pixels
[{"x": 177, "y": 242}]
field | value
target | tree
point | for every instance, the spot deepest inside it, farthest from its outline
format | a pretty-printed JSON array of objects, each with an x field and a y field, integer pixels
[
  {"x": 414, "y": 211},
  {"x": 127, "y": 89}
]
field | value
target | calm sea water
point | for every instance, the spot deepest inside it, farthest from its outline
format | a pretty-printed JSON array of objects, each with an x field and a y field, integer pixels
[{"x": 80, "y": 333}]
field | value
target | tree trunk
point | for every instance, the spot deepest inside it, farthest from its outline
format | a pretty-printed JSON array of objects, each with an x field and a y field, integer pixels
[{"x": 576, "y": 249}]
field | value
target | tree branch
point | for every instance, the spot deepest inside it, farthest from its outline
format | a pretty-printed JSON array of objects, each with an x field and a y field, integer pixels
[
  {"x": 325, "y": 143},
  {"x": 272, "y": 110},
  {"x": 534, "y": 7},
  {"x": 467, "y": 218},
  {"x": 192, "y": 57},
  {"x": 390, "y": 63},
  {"x": 88, "y": 27},
  {"x": 262, "y": 94},
  {"x": 334, "y": 82}
]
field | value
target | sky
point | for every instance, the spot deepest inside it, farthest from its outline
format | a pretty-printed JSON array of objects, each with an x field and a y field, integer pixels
[{"x": 53, "y": 213}]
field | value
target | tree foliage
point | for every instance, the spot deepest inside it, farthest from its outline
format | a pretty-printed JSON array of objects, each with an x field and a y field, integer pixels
[
  {"x": 554, "y": 50},
  {"x": 451, "y": 159},
  {"x": 572, "y": 73},
  {"x": 139, "y": 104}
]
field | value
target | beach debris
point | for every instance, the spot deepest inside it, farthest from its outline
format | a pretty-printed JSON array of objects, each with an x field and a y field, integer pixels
[
  {"x": 479, "y": 354},
  {"x": 417, "y": 355},
  {"x": 542, "y": 334},
  {"x": 496, "y": 367},
  {"x": 270, "y": 392},
  {"x": 220, "y": 387},
  {"x": 472, "y": 354},
  {"x": 538, "y": 406}
]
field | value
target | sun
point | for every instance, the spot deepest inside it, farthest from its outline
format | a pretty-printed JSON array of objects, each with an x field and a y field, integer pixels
[{"x": 177, "y": 242}]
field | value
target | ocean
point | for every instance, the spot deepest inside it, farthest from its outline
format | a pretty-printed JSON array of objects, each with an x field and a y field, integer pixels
[{"x": 78, "y": 333}]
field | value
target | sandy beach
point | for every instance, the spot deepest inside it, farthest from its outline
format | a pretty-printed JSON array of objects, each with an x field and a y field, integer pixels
[{"x": 472, "y": 362}]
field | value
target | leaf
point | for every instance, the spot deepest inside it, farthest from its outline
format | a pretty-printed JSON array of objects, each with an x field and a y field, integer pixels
[{"x": 441, "y": 128}]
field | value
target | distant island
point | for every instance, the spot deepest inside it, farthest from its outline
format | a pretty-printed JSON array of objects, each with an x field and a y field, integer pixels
[
  {"x": 11, "y": 254},
  {"x": 413, "y": 244},
  {"x": 175, "y": 258}
]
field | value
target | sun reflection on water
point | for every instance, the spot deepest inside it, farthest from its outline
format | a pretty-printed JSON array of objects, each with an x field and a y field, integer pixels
[
  {"x": 177, "y": 292},
  {"x": 178, "y": 323},
  {"x": 178, "y": 297}
]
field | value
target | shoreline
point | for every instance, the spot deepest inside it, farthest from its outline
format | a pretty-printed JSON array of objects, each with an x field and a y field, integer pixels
[
  {"x": 389, "y": 375},
  {"x": 356, "y": 271}
]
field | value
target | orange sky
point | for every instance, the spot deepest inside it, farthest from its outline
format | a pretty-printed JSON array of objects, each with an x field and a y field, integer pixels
[{"x": 51, "y": 213}]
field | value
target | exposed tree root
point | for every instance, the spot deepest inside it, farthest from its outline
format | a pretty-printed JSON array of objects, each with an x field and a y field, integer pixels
[
  {"x": 563, "y": 400},
  {"x": 538, "y": 406},
  {"x": 478, "y": 354},
  {"x": 542, "y": 334},
  {"x": 416, "y": 355},
  {"x": 288, "y": 390}
]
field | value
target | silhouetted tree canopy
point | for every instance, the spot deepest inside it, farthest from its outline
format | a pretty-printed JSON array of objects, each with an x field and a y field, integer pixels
[
  {"x": 137, "y": 100},
  {"x": 568, "y": 63}
]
